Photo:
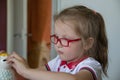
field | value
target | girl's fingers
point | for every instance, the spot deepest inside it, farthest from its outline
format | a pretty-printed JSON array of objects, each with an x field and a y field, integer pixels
[
  {"x": 11, "y": 59},
  {"x": 14, "y": 62},
  {"x": 15, "y": 59},
  {"x": 14, "y": 55}
]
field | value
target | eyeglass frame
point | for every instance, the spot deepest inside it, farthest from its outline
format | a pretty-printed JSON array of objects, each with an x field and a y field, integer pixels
[{"x": 59, "y": 40}]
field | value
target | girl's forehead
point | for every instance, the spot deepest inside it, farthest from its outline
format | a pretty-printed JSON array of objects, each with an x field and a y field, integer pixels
[
  {"x": 65, "y": 29},
  {"x": 66, "y": 25}
]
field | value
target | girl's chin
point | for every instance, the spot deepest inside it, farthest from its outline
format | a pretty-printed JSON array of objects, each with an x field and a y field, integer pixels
[{"x": 63, "y": 58}]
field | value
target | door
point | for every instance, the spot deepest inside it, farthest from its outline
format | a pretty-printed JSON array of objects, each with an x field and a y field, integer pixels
[
  {"x": 17, "y": 27},
  {"x": 20, "y": 27}
]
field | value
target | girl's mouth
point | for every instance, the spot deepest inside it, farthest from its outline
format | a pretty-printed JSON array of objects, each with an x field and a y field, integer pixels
[{"x": 60, "y": 52}]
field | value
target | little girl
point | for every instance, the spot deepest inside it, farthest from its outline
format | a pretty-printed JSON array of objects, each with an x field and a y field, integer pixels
[{"x": 81, "y": 43}]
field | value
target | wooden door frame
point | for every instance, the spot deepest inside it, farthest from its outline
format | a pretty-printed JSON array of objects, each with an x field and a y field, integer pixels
[{"x": 39, "y": 24}]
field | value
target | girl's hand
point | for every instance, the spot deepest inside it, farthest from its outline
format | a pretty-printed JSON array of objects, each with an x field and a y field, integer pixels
[{"x": 18, "y": 63}]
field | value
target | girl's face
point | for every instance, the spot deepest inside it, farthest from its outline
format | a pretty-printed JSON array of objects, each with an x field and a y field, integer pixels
[{"x": 75, "y": 49}]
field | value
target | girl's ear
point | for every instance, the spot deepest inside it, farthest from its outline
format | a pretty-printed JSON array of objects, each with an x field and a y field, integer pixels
[{"x": 89, "y": 43}]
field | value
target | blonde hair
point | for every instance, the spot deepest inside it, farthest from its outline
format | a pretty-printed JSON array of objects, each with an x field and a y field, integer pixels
[{"x": 89, "y": 23}]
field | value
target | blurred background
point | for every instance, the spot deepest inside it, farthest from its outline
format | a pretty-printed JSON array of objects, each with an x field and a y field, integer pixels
[{"x": 25, "y": 27}]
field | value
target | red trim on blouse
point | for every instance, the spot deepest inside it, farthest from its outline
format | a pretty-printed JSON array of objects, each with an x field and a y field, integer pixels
[
  {"x": 47, "y": 67},
  {"x": 72, "y": 65}
]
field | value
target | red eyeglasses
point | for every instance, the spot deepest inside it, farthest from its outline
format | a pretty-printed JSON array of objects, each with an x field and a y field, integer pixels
[{"x": 63, "y": 41}]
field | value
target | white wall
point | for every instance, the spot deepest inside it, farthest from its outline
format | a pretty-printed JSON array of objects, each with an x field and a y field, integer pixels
[{"x": 110, "y": 9}]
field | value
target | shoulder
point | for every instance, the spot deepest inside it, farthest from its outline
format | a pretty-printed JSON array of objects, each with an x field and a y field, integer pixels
[
  {"x": 91, "y": 62},
  {"x": 91, "y": 65},
  {"x": 53, "y": 64},
  {"x": 56, "y": 59}
]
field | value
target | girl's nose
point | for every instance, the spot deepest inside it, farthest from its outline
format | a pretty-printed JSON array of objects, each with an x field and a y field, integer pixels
[{"x": 59, "y": 45}]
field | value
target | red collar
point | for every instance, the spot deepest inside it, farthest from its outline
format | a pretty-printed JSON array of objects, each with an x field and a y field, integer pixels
[{"x": 72, "y": 65}]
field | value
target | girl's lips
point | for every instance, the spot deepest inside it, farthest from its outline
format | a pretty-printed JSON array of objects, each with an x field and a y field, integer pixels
[{"x": 60, "y": 52}]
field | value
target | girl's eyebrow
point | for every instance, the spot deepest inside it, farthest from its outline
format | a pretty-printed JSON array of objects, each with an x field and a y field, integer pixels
[{"x": 63, "y": 36}]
